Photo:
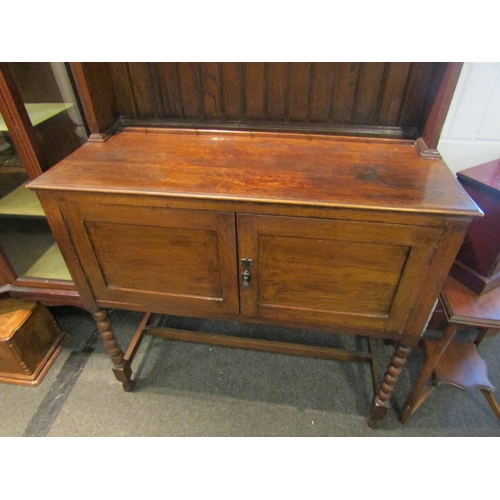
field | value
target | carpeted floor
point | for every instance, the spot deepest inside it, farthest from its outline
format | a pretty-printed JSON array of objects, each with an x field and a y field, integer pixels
[{"x": 185, "y": 389}]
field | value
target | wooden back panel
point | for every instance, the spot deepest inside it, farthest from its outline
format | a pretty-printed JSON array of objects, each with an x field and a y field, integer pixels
[{"x": 384, "y": 99}]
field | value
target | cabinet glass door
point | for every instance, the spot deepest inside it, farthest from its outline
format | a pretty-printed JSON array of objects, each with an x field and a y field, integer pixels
[{"x": 48, "y": 98}]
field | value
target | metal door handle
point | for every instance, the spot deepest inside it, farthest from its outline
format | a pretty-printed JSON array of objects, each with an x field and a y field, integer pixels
[{"x": 246, "y": 274}]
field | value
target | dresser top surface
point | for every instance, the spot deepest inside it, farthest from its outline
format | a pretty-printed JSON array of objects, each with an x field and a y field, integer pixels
[{"x": 263, "y": 167}]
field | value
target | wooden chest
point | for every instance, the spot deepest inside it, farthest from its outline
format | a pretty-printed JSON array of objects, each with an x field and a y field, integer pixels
[
  {"x": 478, "y": 262},
  {"x": 30, "y": 341}
]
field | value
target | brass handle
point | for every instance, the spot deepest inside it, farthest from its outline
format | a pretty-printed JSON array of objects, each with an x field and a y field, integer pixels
[{"x": 246, "y": 275}]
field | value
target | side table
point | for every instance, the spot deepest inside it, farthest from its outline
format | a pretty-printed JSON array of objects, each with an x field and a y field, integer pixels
[{"x": 458, "y": 363}]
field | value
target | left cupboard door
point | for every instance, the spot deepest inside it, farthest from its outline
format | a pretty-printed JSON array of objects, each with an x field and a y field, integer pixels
[{"x": 157, "y": 259}]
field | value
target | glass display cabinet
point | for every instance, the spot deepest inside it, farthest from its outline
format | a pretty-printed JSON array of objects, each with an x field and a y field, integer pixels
[{"x": 40, "y": 124}]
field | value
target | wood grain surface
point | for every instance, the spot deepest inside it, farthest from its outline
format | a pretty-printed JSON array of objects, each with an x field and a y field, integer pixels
[{"x": 243, "y": 166}]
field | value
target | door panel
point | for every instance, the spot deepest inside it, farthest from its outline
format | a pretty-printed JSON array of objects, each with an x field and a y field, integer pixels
[
  {"x": 291, "y": 274},
  {"x": 328, "y": 272},
  {"x": 122, "y": 253},
  {"x": 166, "y": 260}
]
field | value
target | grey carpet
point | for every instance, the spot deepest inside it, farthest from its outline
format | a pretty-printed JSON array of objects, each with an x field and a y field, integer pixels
[{"x": 185, "y": 389}]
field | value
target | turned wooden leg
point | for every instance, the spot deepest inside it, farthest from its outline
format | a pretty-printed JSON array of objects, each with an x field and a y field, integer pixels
[
  {"x": 415, "y": 399},
  {"x": 121, "y": 368},
  {"x": 381, "y": 402}
]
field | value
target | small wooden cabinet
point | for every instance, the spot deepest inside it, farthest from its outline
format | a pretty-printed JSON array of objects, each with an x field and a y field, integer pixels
[
  {"x": 478, "y": 262},
  {"x": 344, "y": 235},
  {"x": 30, "y": 341}
]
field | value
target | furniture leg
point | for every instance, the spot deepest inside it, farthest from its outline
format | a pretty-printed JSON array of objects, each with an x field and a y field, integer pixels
[
  {"x": 372, "y": 347},
  {"x": 415, "y": 399},
  {"x": 121, "y": 367},
  {"x": 381, "y": 402},
  {"x": 483, "y": 332},
  {"x": 423, "y": 397},
  {"x": 136, "y": 340},
  {"x": 492, "y": 402}
]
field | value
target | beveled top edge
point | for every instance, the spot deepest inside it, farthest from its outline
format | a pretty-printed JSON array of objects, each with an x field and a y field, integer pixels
[{"x": 269, "y": 201}]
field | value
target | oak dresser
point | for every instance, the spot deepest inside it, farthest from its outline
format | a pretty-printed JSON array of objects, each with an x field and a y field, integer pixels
[{"x": 351, "y": 235}]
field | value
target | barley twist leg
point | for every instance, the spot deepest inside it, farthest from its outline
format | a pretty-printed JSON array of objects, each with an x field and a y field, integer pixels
[
  {"x": 121, "y": 368},
  {"x": 381, "y": 402}
]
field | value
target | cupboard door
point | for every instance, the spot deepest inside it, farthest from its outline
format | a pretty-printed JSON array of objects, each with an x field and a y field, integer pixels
[
  {"x": 358, "y": 275},
  {"x": 154, "y": 259}
]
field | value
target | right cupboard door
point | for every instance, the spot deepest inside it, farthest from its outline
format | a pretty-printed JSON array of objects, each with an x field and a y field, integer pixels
[{"x": 362, "y": 276}]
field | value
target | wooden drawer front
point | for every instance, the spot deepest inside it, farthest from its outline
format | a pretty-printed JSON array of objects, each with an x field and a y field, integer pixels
[
  {"x": 165, "y": 260},
  {"x": 356, "y": 274}
]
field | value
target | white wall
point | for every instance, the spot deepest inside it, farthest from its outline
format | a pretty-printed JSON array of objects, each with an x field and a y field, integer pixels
[{"x": 471, "y": 133}]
